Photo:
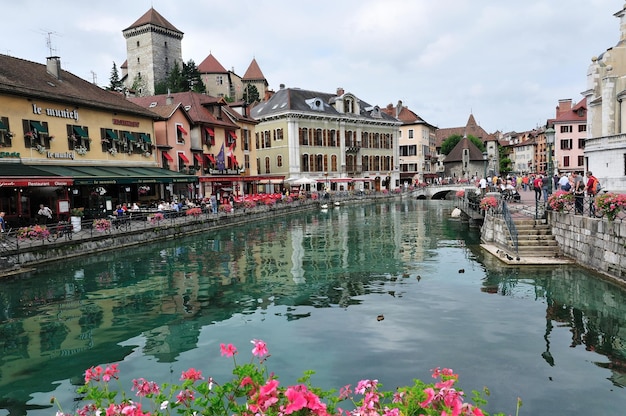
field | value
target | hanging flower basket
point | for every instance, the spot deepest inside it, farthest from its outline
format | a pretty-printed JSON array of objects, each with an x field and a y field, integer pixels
[
  {"x": 559, "y": 200},
  {"x": 194, "y": 211},
  {"x": 611, "y": 204}
]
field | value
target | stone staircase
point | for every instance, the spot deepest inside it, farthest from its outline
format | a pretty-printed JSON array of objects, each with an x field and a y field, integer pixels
[{"x": 535, "y": 239}]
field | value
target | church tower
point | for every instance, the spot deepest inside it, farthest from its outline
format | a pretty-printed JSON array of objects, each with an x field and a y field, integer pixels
[{"x": 153, "y": 46}]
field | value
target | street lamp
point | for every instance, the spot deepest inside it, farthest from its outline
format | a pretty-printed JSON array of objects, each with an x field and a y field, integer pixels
[
  {"x": 550, "y": 140},
  {"x": 485, "y": 163}
]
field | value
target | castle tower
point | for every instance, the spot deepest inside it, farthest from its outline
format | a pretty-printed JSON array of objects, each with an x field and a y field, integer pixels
[
  {"x": 153, "y": 46},
  {"x": 254, "y": 76}
]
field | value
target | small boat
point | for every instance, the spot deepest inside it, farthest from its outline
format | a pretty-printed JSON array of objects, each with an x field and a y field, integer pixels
[
  {"x": 337, "y": 203},
  {"x": 324, "y": 206}
]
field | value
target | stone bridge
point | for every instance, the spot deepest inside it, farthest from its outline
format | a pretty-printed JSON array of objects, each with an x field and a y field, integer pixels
[{"x": 438, "y": 191}]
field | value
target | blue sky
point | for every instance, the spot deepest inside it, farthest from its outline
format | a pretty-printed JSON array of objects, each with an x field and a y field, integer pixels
[{"x": 506, "y": 62}]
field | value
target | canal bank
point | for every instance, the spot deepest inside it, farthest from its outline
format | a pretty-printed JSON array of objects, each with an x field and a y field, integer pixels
[{"x": 24, "y": 256}]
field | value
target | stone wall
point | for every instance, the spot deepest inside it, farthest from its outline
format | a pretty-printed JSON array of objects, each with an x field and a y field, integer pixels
[{"x": 596, "y": 243}]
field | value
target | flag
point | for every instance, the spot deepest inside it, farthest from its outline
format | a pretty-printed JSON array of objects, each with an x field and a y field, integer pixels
[{"x": 221, "y": 163}]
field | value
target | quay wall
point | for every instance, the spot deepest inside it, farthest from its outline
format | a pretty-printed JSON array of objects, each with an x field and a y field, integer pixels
[{"x": 596, "y": 243}]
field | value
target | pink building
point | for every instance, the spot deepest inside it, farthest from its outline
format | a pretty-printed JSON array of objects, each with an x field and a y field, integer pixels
[{"x": 570, "y": 125}]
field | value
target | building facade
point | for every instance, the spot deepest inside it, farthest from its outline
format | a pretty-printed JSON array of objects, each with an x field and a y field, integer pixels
[
  {"x": 328, "y": 141},
  {"x": 66, "y": 143},
  {"x": 570, "y": 126},
  {"x": 417, "y": 157},
  {"x": 153, "y": 47}
]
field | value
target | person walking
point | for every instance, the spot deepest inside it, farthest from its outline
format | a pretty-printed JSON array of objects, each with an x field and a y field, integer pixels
[
  {"x": 545, "y": 184},
  {"x": 3, "y": 229},
  {"x": 537, "y": 187},
  {"x": 579, "y": 193},
  {"x": 592, "y": 191}
]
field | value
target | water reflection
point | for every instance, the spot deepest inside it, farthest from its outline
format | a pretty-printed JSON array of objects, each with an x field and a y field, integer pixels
[{"x": 310, "y": 271}]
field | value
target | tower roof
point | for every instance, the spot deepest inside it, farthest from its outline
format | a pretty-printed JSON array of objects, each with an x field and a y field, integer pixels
[
  {"x": 210, "y": 65},
  {"x": 253, "y": 72},
  {"x": 152, "y": 17}
]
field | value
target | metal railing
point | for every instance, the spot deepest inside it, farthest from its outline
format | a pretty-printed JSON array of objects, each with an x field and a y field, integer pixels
[{"x": 510, "y": 225}]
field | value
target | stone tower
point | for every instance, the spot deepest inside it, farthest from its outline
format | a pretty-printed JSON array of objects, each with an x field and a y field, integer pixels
[{"x": 153, "y": 46}]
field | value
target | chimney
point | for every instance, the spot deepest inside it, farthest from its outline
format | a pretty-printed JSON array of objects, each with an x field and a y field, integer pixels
[
  {"x": 282, "y": 86},
  {"x": 340, "y": 92},
  {"x": 398, "y": 108},
  {"x": 53, "y": 66}
]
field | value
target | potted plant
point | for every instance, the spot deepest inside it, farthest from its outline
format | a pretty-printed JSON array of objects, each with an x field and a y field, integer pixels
[{"x": 76, "y": 218}]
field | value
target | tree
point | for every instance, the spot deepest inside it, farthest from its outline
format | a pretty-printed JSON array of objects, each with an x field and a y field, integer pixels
[
  {"x": 250, "y": 94},
  {"x": 452, "y": 141},
  {"x": 114, "y": 81},
  {"x": 182, "y": 79}
]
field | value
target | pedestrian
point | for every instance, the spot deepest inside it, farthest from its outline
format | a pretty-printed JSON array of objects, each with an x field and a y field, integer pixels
[
  {"x": 545, "y": 184},
  {"x": 3, "y": 229},
  {"x": 44, "y": 214},
  {"x": 537, "y": 187},
  {"x": 592, "y": 191},
  {"x": 483, "y": 186},
  {"x": 564, "y": 183},
  {"x": 579, "y": 193}
]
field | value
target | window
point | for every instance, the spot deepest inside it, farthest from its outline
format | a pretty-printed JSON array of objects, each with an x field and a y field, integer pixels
[
  {"x": 5, "y": 133},
  {"x": 581, "y": 143},
  {"x": 36, "y": 135},
  {"x": 318, "y": 137},
  {"x": 245, "y": 139},
  {"x": 267, "y": 165},
  {"x": 279, "y": 161},
  {"x": 410, "y": 133},
  {"x": 180, "y": 134},
  {"x": 137, "y": 43},
  {"x": 566, "y": 161},
  {"x": 279, "y": 134},
  {"x": 304, "y": 136},
  {"x": 566, "y": 144},
  {"x": 333, "y": 163},
  {"x": 78, "y": 138},
  {"x": 219, "y": 80},
  {"x": 582, "y": 127},
  {"x": 566, "y": 129},
  {"x": 304, "y": 163},
  {"x": 581, "y": 160}
]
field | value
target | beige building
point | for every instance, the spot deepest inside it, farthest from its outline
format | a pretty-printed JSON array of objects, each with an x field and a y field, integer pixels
[
  {"x": 334, "y": 141},
  {"x": 417, "y": 152}
]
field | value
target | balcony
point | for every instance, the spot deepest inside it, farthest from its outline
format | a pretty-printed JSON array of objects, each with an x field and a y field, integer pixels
[{"x": 353, "y": 149}]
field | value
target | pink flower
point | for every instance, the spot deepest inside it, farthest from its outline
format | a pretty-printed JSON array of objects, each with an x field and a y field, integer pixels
[
  {"x": 430, "y": 395},
  {"x": 144, "y": 387},
  {"x": 185, "y": 397},
  {"x": 191, "y": 374},
  {"x": 93, "y": 373},
  {"x": 228, "y": 350},
  {"x": 344, "y": 392},
  {"x": 364, "y": 385},
  {"x": 260, "y": 348},
  {"x": 110, "y": 372}
]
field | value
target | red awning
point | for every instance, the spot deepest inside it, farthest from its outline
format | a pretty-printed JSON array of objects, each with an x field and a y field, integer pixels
[
  {"x": 225, "y": 179},
  {"x": 25, "y": 181},
  {"x": 183, "y": 157},
  {"x": 210, "y": 131},
  {"x": 262, "y": 178},
  {"x": 168, "y": 157},
  {"x": 181, "y": 129},
  {"x": 198, "y": 158},
  {"x": 211, "y": 158}
]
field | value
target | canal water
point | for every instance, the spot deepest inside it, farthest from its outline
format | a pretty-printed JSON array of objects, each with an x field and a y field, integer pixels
[{"x": 315, "y": 286}]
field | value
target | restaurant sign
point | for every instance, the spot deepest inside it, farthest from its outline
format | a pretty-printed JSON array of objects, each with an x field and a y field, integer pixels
[
  {"x": 10, "y": 154},
  {"x": 36, "y": 182}
]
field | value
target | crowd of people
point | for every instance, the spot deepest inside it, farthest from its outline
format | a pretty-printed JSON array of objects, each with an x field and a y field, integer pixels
[{"x": 540, "y": 184}]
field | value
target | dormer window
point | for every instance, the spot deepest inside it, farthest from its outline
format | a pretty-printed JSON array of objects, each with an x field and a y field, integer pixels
[
  {"x": 180, "y": 134},
  {"x": 316, "y": 104}
]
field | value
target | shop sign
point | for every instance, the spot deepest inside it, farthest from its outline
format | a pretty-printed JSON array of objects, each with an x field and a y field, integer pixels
[
  {"x": 36, "y": 182},
  {"x": 10, "y": 155},
  {"x": 55, "y": 112}
]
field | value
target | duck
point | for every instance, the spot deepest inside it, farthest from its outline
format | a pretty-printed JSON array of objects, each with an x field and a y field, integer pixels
[
  {"x": 380, "y": 317},
  {"x": 461, "y": 270}
]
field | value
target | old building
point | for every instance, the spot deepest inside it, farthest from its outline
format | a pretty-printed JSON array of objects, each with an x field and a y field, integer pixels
[
  {"x": 570, "y": 126},
  {"x": 605, "y": 146},
  {"x": 153, "y": 47},
  {"x": 417, "y": 156},
  {"x": 66, "y": 143},
  {"x": 334, "y": 140}
]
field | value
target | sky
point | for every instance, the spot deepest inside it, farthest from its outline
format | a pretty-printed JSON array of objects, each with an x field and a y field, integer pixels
[{"x": 506, "y": 62}]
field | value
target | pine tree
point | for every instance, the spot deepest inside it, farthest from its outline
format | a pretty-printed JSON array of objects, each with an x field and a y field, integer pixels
[{"x": 114, "y": 82}]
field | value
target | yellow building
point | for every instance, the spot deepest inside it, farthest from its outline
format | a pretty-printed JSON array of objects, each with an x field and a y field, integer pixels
[
  {"x": 326, "y": 141},
  {"x": 65, "y": 143}
]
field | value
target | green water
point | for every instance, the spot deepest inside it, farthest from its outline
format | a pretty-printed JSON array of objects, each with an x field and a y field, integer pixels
[{"x": 312, "y": 287}]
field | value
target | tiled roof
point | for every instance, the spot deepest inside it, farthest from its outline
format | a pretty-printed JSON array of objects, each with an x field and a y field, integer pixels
[
  {"x": 152, "y": 17},
  {"x": 210, "y": 65},
  {"x": 456, "y": 154},
  {"x": 30, "y": 79},
  {"x": 406, "y": 116},
  {"x": 471, "y": 129},
  {"x": 194, "y": 104},
  {"x": 253, "y": 72},
  {"x": 298, "y": 100},
  {"x": 572, "y": 114}
]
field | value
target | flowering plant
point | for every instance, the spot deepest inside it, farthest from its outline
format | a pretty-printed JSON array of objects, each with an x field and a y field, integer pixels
[
  {"x": 157, "y": 217},
  {"x": 488, "y": 202},
  {"x": 611, "y": 204},
  {"x": 194, "y": 211},
  {"x": 460, "y": 193},
  {"x": 255, "y": 391},
  {"x": 249, "y": 204},
  {"x": 270, "y": 202},
  {"x": 102, "y": 225},
  {"x": 35, "y": 232},
  {"x": 558, "y": 200}
]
